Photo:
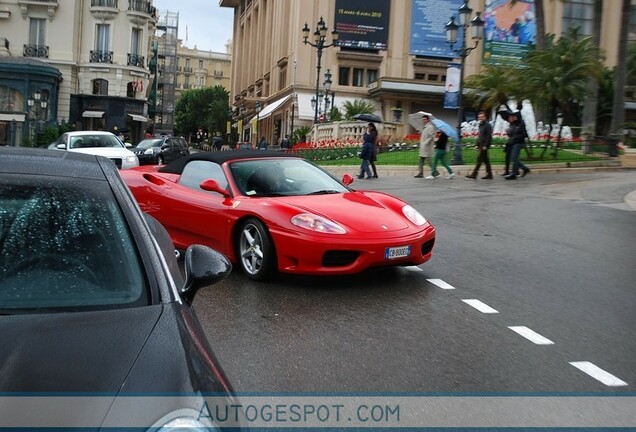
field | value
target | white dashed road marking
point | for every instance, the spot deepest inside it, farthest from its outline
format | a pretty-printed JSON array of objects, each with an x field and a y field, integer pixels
[
  {"x": 480, "y": 306},
  {"x": 597, "y": 373},
  {"x": 440, "y": 283},
  {"x": 414, "y": 268},
  {"x": 531, "y": 335}
]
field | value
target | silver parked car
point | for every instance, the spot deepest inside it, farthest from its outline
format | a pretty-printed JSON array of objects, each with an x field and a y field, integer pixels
[{"x": 98, "y": 143}]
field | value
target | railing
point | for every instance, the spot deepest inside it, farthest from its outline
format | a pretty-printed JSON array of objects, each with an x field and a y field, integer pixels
[
  {"x": 105, "y": 3},
  {"x": 187, "y": 69},
  {"x": 101, "y": 57},
  {"x": 34, "y": 50},
  {"x": 135, "y": 60},
  {"x": 353, "y": 131},
  {"x": 144, "y": 6}
]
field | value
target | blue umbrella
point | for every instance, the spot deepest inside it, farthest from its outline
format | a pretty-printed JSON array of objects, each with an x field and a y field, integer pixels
[{"x": 446, "y": 128}]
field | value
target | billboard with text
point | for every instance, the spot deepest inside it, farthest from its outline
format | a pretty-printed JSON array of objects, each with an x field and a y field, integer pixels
[
  {"x": 428, "y": 27},
  {"x": 363, "y": 24}
]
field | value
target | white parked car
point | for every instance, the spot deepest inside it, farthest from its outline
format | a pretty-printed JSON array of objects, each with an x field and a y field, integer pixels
[{"x": 98, "y": 143}]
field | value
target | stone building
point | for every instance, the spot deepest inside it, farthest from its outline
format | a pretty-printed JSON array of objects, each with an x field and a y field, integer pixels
[
  {"x": 83, "y": 62},
  {"x": 392, "y": 53}
]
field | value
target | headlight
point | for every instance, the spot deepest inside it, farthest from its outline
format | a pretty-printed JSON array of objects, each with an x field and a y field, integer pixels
[
  {"x": 183, "y": 419},
  {"x": 317, "y": 224},
  {"x": 131, "y": 159},
  {"x": 413, "y": 215},
  {"x": 149, "y": 151}
]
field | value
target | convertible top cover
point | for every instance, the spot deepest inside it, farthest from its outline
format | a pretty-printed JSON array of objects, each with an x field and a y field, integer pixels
[{"x": 220, "y": 157}]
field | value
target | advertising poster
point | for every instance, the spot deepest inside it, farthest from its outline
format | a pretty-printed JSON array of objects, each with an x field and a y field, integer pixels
[
  {"x": 509, "y": 31},
  {"x": 428, "y": 27},
  {"x": 451, "y": 94},
  {"x": 363, "y": 24}
]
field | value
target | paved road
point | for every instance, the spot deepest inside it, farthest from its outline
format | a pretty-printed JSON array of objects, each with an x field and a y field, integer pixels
[{"x": 553, "y": 253}]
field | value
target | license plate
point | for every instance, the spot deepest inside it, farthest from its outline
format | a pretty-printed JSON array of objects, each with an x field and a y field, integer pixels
[{"x": 397, "y": 252}]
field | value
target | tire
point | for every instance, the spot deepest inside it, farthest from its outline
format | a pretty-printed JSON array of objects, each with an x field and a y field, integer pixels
[
  {"x": 160, "y": 160},
  {"x": 255, "y": 250}
]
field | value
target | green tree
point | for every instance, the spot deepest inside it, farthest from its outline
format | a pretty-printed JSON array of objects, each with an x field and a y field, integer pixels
[
  {"x": 558, "y": 76},
  {"x": 358, "y": 106},
  {"x": 207, "y": 108},
  {"x": 495, "y": 86}
]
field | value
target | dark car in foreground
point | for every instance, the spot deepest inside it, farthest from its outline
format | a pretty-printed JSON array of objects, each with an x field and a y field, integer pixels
[
  {"x": 92, "y": 300},
  {"x": 161, "y": 150}
]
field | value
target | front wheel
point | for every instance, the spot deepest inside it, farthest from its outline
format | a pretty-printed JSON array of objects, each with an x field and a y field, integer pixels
[{"x": 255, "y": 250}]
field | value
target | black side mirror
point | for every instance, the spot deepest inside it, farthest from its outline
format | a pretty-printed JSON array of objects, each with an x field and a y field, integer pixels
[{"x": 203, "y": 266}]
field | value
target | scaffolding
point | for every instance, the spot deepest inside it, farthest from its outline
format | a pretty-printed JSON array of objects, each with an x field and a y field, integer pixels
[{"x": 166, "y": 35}]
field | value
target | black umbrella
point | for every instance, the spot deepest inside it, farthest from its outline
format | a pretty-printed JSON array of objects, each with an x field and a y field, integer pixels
[
  {"x": 504, "y": 114},
  {"x": 368, "y": 117}
]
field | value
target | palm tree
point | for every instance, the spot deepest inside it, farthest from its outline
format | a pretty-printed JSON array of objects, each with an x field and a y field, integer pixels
[
  {"x": 358, "y": 106},
  {"x": 496, "y": 85},
  {"x": 589, "y": 108}
]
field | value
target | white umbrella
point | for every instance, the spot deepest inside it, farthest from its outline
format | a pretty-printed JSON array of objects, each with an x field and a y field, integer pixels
[{"x": 415, "y": 119}]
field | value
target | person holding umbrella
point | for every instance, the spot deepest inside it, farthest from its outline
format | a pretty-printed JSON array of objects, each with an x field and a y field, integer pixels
[
  {"x": 517, "y": 136},
  {"x": 441, "y": 144},
  {"x": 368, "y": 148},
  {"x": 483, "y": 144},
  {"x": 426, "y": 144}
]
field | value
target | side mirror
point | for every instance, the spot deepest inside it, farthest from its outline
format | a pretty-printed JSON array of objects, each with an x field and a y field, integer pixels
[
  {"x": 61, "y": 146},
  {"x": 211, "y": 185},
  {"x": 347, "y": 179},
  {"x": 203, "y": 266},
  {"x": 128, "y": 145}
]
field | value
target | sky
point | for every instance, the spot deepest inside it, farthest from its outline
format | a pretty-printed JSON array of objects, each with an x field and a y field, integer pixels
[{"x": 209, "y": 26}]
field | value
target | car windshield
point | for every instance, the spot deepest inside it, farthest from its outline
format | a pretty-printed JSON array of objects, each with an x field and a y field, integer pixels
[
  {"x": 148, "y": 143},
  {"x": 283, "y": 177},
  {"x": 65, "y": 245},
  {"x": 96, "y": 140}
]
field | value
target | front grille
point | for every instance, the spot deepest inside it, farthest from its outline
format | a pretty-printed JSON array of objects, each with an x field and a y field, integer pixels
[
  {"x": 339, "y": 258},
  {"x": 117, "y": 162}
]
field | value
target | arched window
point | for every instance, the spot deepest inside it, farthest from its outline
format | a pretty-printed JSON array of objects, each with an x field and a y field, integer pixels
[{"x": 100, "y": 87}]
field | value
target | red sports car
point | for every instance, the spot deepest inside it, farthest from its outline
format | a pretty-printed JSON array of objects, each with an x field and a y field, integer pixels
[{"x": 272, "y": 211}]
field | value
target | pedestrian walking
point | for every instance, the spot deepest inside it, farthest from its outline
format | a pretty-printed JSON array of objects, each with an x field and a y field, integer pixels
[
  {"x": 367, "y": 151},
  {"x": 426, "y": 144},
  {"x": 484, "y": 140},
  {"x": 441, "y": 148},
  {"x": 374, "y": 153},
  {"x": 517, "y": 138},
  {"x": 263, "y": 144}
]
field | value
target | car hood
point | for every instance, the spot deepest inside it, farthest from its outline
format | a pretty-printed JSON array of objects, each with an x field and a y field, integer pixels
[
  {"x": 109, "y": 152},
  {"x": 72, "y": 352},
  {"x": 357, "y": 211}
]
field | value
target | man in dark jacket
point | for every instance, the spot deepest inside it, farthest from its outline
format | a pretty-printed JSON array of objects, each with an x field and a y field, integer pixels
[
  {"x": 517, "y": 137},
  {"x": 483, "y": 144}
]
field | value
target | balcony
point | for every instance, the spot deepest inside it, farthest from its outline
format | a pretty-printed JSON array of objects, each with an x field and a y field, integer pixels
[
  {"x": 104, "y": 9},
  {"x": 101, "y": 57},
  {"x": 136, "y": 60},
  {"x": 35, "y": 51},
  {"x": 141, "y": 11},
  {"x": 187, "y": 69},
  {"x": 34, "y": 6},
  {"x": 218, "y": 73}
]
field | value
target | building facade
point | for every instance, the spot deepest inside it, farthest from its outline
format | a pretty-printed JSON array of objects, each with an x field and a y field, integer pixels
[
  {"x": 198, "y": 68},
  {"x": 394, "y": 54},
  {"x": 98, "y": 49}
]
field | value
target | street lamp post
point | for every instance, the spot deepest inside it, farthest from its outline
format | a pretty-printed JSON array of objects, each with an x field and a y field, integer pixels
[
  {"x": 327, "y": 85},
  {"x": 320, "y": 36},
  {"x": 257, "y": 108},
  {"x": 477, "y": 27}
]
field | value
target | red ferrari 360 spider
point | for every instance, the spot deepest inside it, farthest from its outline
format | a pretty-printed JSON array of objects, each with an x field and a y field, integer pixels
[{"x": 272, "y": 211}]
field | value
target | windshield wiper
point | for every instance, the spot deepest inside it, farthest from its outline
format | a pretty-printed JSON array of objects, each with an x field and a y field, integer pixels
[{"x": 324, "y": 192}]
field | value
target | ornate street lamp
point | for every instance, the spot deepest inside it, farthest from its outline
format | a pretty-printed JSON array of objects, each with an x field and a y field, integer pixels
[
  {"x": 320, "y": 36},
  {"x": 477, "y": 27}
]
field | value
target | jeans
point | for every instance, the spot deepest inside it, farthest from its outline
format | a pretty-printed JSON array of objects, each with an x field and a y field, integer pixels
[
  {"x": 483, "y": 158},
  {"x": 364, "y": 169},
  {"x": 440, "y": 156},
  {"x": 516, "y": 163}
]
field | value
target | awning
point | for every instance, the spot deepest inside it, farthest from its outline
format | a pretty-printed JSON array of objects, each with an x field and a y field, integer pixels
[
  {"x": 139, "y": 118},
  {"x": 12, "y": 117},
  {"x": 93, "y": 114},
  {"x": 269, "y": 109}
]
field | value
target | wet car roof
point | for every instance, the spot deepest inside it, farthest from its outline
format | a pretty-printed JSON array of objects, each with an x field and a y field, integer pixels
[{"x": 49, "y": 162}]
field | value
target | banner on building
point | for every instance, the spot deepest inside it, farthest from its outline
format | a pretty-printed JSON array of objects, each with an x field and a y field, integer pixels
[
  {"x": 451, "y": 94},
  {"x": 363, "y": 24},
  {"x": 428, "y": 27},
  {"x": 509, "y": 32}
]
